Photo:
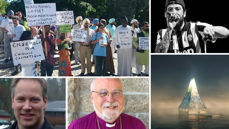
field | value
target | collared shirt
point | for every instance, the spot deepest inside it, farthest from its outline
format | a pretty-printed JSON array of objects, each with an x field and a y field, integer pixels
[
  {"x": 94, "y": 28},
  {"x": 39, "y": 128},
  {"x": 90, "y": 33},
  {"x": 90, "y": 122},
  {"x": 111, "y": 28},
  {"x": 18, "y": 30}
]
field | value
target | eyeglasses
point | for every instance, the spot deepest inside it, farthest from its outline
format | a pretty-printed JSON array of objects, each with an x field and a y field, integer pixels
[{"x": 105, "y": 93}]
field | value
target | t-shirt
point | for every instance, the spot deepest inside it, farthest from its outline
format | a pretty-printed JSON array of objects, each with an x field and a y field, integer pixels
[{"x": 8, "y": 25}]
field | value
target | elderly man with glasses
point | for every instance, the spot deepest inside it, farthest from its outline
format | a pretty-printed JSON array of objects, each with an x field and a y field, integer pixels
[{"x": 108, "y": 102}]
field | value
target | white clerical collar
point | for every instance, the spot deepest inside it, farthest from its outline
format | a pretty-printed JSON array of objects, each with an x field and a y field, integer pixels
[{"x": 110, "y": 125}]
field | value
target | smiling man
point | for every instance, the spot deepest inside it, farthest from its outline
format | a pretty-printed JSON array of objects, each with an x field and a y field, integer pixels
[
  {"x": 108, "y": 102},
  {"x": 29, "y": 102}
]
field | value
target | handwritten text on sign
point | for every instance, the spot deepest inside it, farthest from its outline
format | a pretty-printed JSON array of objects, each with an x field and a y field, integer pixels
[
  {"x": 41, "y": 14},
  {"x": 64, "y": 17},
  {"x": 125, "y": 38},
  {"x": 144, "y": 43},
  {"x": 79, "y": 35},
  {"x": 27, "y": 52}
]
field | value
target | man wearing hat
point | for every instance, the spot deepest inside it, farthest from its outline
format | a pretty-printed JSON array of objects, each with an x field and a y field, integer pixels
[
  {"x": 95, "y": 24},
  {"x": 181, "y": 36},
  {"x": 7, "y": 26},
  {"x": 111, "y": 27}
]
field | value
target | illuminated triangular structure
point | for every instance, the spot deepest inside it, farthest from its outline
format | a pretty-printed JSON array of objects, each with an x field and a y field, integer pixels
[{"x": 192, "y": 103}]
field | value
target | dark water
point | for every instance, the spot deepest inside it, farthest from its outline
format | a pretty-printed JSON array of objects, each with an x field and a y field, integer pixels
[{"x": 192, "y": 122}]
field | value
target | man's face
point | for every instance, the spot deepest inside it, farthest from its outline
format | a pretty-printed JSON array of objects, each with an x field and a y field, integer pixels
[
  {"x": 124, "y": 23},
  {"x": 47, "y": 29},
  {"x": 107, "y": 107},
  {"x": 146, "y": 27},
  {"x": 86, "y": 25},
  {"x": 174, "y": 14},
  {"x": 28, "y": 104},
  {"x": 15, "y": 22}
]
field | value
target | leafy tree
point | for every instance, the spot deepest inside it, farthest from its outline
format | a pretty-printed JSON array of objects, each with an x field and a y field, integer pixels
[{"x": 3, "y": 6}]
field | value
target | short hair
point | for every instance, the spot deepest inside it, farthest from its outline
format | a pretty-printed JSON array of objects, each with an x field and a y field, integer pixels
[
  {"x": 15, "y": 17},
  {"x": 103, "y": 21},
  {"x": 42, "y": 82},
  {"x": 86, "y": 20},
  {"x": 101, "y": 24},
  {"x": 145, "y": 22}
]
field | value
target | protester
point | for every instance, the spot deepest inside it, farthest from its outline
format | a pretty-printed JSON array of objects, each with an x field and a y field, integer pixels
[
  {"x": 95, "y": 24},
  {"x": 64, "y": 58},
  {"x": 76, "y": 45},
  {"x": 135, "y": 28},
  {"x": 85, "y": 49},
  {"x": 17, "y": 29},
  {"x": 108, "y": 63},
  {"x": 142, "y": 56},
  {"x": 47, "y": 65},
  {"x": 111, "y": 27},
  {"x": 7, "y": 27},
  {"x": 101, "y": 40},
  {"x": 124, "y": 54}
]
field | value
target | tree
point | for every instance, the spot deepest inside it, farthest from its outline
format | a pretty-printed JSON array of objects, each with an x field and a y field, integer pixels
[{"x": 3, "y": 6}]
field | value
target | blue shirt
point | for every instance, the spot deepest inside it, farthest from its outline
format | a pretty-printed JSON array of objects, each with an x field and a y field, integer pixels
[
  {"x": 100, "y": 50},
  {"x": 93, "y": 28},
  {"x": 111, "y": 29}
]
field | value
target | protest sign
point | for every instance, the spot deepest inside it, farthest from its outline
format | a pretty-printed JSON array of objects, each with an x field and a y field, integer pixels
[
  {"x": 79, "y": 35},
  {"x": 40, "y": 14},
  {"x": 65, "y": 28},
  {"x": 64, "y": 17},
  {"x": 28, "y": 2},
  {"x": 143, "y": 43},
  {"x": 27, "y": 52},
  {"x": 125, "y": 38}
]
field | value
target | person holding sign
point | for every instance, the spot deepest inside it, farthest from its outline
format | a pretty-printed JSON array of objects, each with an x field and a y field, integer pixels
[
  {"x": 142, "y": 56},
  {"x": 64, "y": 59},
  {"x": 47, "y": 65},
  {"x": 101, "y": 40},
  {"x": 76, "y": 45},
  {"x": 85, "y": 49},
  {"x": 123, "y": 41}
]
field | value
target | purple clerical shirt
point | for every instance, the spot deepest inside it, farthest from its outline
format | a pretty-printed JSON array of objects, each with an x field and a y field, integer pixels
[{"x": 89, "y": 122}]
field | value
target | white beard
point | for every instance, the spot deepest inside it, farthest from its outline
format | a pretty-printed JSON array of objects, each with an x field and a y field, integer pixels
[{"x": 109, "y": 116}]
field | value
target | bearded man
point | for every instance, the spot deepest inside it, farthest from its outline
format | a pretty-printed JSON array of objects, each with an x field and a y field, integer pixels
[
  {"x": 181, "y": 36},
  {"x": 108, "y": 102}
]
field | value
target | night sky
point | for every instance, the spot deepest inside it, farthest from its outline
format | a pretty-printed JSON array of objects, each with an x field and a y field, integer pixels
[
  {"x": 209, "y": 11},
  {"x": 171, "y": 74}
]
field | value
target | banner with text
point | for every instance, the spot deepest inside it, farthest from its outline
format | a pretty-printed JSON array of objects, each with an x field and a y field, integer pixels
[
  {"x": 27, "y": 52},
  {"x": 64, "y": 17},
  {"x": 79, "y": 35},
  {"x": 28, "y": 2},
  {"x": 65, "y": 28},
  {"x": 41, "y": 14},
  {"x": 143, "y": 43},
  {"x": 125, "y": 38}
]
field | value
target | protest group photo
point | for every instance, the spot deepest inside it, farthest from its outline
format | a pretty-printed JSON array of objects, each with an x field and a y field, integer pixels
[{"x": 43, "y": 41}]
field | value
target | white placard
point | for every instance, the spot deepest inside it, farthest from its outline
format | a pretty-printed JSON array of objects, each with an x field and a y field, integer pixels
[
  {"x": 64, "y": 17},
  {"x": 41, "y": 14},
  {"x": 28, "y": 2},
  {"x": 79, "y": 35},
  {"x": 143, "y": 43},
  {"x": 27, "y": 52},
  {"x": 125, "y": 38}
]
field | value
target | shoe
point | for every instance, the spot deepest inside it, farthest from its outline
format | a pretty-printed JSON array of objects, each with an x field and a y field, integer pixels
[
  {"x": 90, "y": 74},
  {"x": 82, "y": 74},
  {"x": 6, "y": 61}
]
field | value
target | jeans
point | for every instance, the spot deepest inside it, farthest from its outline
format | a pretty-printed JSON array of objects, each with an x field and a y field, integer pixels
[
  {"x": 46, "y": 68},
  {"x": 99, "y": 65}
]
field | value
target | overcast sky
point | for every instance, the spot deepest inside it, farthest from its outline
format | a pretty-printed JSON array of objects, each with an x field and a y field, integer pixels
[{"x": 171, "y": 76}]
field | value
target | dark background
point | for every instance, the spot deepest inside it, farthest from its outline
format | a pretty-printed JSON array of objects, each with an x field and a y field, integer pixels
[{"x": 209, "y": 11}]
